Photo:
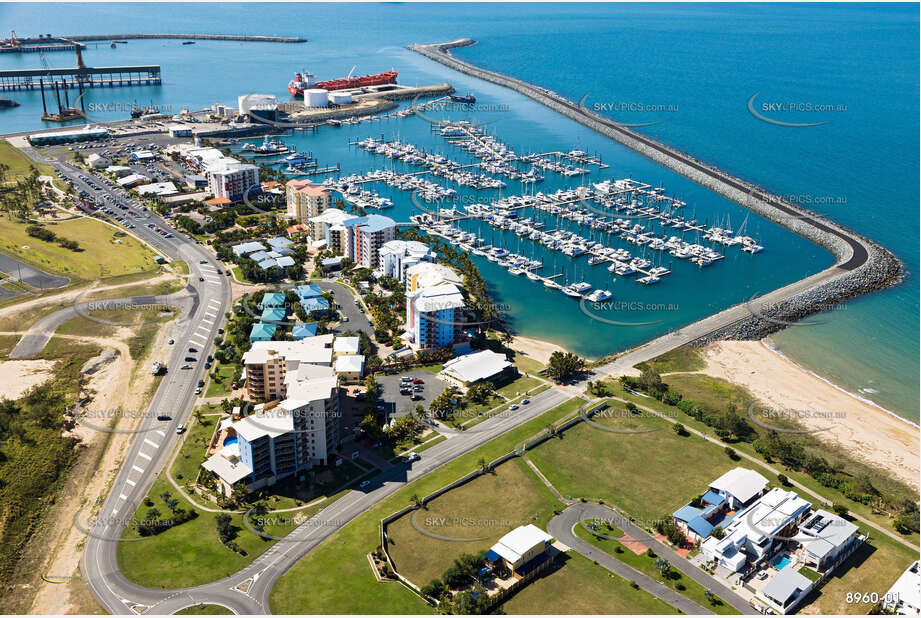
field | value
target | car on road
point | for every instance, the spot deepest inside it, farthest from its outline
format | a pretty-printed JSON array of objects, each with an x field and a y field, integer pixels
[
  {"x": 364, "y": 484},
  {"x": 180, "y": 429},
  {"x": 201, "y": 383},
  {"x": 513, "y": 407},
  {"x": 186, "y": 367},
  {"x": 201, "y": 278},
  {"x": 198, "y": 391},
  {"x": 171, "y": 342},
  {"x": 412, "y": 457},
  {"x": 202, "y": 261},
  {"x": 164, "y": 417},
  {"x": 525, "y": 401}
]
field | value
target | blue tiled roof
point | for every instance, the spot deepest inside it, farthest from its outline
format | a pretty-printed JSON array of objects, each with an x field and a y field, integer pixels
[
  {"x": 262, "y": 332},
  {"x": 701, "y": 526},
  {"x": 302, "y": 331},
  {"x": 315, "y": 304},
  {"x": 273, "y": 299},
  {"x": 267, "y": 263},
  {"x": 273, "y": 314},
  {"x": 687, "y": 513},
  {"x": 711, "y": 497},
  {"x": 493, "y": 556},
  {"x": 308, "y": 291}
]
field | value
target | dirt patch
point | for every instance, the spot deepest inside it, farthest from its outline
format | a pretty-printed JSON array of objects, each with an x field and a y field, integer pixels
[{"x": 18, "y": 376}]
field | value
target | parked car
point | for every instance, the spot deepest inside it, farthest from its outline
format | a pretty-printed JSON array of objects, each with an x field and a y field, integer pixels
[
  {"x": 418, "y": 381},
  {"x": 164, "y": 417},
  {"x": 180, "y": 429}
]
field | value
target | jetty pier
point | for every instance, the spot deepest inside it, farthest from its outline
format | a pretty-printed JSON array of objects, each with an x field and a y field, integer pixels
[{"x": 85, "y": 77}]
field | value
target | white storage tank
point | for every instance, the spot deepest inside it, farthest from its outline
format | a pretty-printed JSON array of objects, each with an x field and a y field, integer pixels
[
  {"x": 340, "y": 98},
  {"x": 316, "y": 97}
]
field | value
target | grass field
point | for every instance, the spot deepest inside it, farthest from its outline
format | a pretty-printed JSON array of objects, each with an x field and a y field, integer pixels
[
  {"x": 104, "y": 253},
  {"x": 646, "y": 474},
  {"x": 687, "y": 358},
  {"x": 188, "y": 554},
  {"x": 341, "y": 558},
  {"x": 220, "y": 386},
  {"x": 19, "y": 163},
  {"x": 647, "y": 565},
  {"x": 7, "y": 343},
  {"x": 203, "y": 609},
  {"x": 482, "y": 510},
  {"x": 581, "y": 587},
  {"x": 519, "y": 386},
  {"x": 706, "y": 390},
  {"x": 192, "y": 452}
]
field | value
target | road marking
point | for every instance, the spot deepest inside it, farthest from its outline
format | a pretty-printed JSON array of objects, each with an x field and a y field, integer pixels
[
  {"x": 211, "y": 315},
  {"x": 123, "y": 497},
  {"x": 208, "y": 321},
  {"x": 161, "y": 432},
  {"x": 141, "y": 470},
  {"x": 151, "y": 442},
  {"x": 115, "y": 511},
  {"x": 196, "y": 335},
  {"x": 130, "y": 482},
  {"x": 145, "y": 456}
]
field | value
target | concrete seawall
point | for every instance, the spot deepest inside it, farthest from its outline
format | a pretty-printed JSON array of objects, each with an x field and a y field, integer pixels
[{"x": 861, "y": 265}]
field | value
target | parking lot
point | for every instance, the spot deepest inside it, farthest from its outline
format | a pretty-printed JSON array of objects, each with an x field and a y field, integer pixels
[{"x": 401, "y": 405}]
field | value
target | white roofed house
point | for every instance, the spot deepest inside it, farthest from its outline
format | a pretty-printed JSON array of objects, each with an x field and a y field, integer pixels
[
  {"x": 521, "y": 551},
  {"x": 739, "y": 486},
  {"x": 904, "y": 597},
  {"x": 469, "y": 369},
  {"x": 826, "y": 539}
]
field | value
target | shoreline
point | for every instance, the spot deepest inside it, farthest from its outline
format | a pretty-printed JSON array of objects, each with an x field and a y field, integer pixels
[
  {"x": 838, "y": 387},
  {"x": 864, "y": 430}
]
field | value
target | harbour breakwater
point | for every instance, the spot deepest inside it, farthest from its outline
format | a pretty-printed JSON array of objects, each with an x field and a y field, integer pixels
[
  {"x": 861, "y": 266},
  {"x": 253, "y": 38}
]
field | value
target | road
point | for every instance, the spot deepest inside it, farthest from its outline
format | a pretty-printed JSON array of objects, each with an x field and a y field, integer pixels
[
  {"x": 35, "y": 340},
  {"x": 561, "y": 527},
  {"x": 30, "y": 275},
  {"x": 120, "y": 596},
  {"x": 206, "y": 299}
]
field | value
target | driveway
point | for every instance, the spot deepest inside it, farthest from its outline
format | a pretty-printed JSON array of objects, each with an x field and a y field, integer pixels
[
  {"x": 401, "y": 405},
  {"x": 358, "y": 321}
]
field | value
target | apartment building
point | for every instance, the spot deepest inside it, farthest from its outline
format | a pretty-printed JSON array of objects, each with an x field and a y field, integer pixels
[
  {"x": 267, "y": 364},
  {"x": 434, "y": 306},
  {"x": 365, "y": 237},
  {"x": 306, "y": 200},
  {"x": 398, "y": 256}
]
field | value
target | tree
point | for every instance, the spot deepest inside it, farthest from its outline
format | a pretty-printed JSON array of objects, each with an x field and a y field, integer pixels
[
  {"x": 564, "y": 365},
  {"x": 718, "y": 532},
  {"x": 839, "y": 509},
  {"x": 664, "y": 566},
  {"x": 444, "y": 405},
  {"x": 483, "y": 464},
  {"x": 731, "y": 453},
  {"x": 783, "y": 480},
  {"x": 679, "y": 429},
  {"x": 480, "y": 393}
]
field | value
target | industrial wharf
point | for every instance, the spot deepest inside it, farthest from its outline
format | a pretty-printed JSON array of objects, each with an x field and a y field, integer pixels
[
  {"x": 70, "y": 42},
  {"x": 85, "y": 77}
]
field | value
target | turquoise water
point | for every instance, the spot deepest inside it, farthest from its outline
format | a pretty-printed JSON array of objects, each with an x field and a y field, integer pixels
[
  {"x": 696, "y": 65},
  {"x": 779, "y": 562}
]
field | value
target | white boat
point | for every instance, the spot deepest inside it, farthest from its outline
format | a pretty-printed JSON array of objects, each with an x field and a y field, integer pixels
[
  {"x": 581, "y": 287},
  {"x": 553, "y": 285},
  {"x": 649, "y": 280},
  {"x": 532, "y": 276},
  {"x": 599, "y": 296},
  {"x": 571, "y": 292}
]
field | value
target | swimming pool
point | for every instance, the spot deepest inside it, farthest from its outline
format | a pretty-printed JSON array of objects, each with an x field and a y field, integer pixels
[
  {"x": 779, "y": 562},
  {"x": 230, "y": 440}
]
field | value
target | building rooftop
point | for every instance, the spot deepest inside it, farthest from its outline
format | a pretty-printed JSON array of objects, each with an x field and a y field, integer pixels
[
  {"x": 302, "y": 331},
  {"x": 477, "y": 366},
  {"x": 307, "y": 187},
  {"x": 308, "y": 291},
  {"x": 346, "y": 345},
  {"x": 438, "y": 298},
  {"x": 273, "y": 299},
  {"x": 350, "y": 363},
  {"x": 786, "y": 586},
  {"x": 519, "y": 541},
  {"x": 742, "y": 483},
  {"x": 226, "y": 464}
]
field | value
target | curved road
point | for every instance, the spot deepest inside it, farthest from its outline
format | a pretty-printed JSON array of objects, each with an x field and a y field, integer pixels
[{"x": 561, "y": 527}]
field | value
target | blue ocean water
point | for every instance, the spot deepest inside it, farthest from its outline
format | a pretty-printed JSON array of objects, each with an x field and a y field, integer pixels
[{"x": 691, "y": 69}]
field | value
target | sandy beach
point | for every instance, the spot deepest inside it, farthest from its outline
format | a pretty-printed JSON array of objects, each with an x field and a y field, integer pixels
[
  {"x": 865, "y": 430},
  {"x": 535, "y": 348}
]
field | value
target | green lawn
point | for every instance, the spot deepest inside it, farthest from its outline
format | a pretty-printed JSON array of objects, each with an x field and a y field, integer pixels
[
  {"x": 698, "y": 388},
  {"x": 482, "y": 510},
  {"x": 581, "y": 587},
  {"x": 202, "y": 609},
  {"x": 19, "y": 163},
  {"x": 519, "y": 386},
  {"x": 180, "y": 267},
  {"x": 685, "y": 358},
  {"x": 647, "y": 565},
  {"x": 526, "y": 364},
  {"x": 192, "y": 452},
  {"x": 104, "y": 253},
  {"x": 646, "y": 474},
  {"x": 341, "y": 558},
  {"x": 220, "y": 386}
]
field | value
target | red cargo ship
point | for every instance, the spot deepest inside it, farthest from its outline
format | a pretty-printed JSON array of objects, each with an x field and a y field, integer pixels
[{"x": 303, "y": 81}]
